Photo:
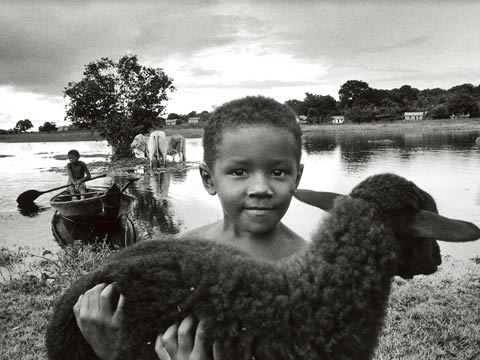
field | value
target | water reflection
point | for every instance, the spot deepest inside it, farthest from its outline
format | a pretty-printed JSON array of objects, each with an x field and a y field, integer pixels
[
  {"x": 153, "y": 209},
  {"x": 30, "y": 209}
]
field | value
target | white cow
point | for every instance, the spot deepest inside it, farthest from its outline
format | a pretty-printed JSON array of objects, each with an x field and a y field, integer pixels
[{"x": 156, "y": 146}]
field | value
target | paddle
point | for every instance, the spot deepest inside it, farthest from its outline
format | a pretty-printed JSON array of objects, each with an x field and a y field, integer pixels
[{"x": 29, "y": 196}]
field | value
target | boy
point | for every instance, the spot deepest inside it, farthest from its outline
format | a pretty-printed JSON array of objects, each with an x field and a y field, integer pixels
[
  {"x": 78, "y": 173},
  {"x": 252, "y": 150}
]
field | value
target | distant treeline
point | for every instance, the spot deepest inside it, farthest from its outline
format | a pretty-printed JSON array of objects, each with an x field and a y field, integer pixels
[{"x": 358, "y": 102}]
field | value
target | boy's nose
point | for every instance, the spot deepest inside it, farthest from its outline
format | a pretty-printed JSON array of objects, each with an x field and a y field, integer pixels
[{"x": 259, "y": 187}]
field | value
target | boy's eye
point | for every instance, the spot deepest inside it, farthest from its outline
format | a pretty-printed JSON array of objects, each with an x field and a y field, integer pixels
[
  {"x": 278, "y": 172},
  {"x": 238, "y": 172}
]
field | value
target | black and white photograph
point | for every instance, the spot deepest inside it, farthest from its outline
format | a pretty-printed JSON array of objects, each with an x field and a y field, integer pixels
[{"x": 223, "y": 180}]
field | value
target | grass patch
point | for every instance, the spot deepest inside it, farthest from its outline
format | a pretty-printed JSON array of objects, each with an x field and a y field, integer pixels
[
  {"x": 29, "y": 286},
  {"x": 429, "y": 317},
  {"x": 434, "y": 317}
]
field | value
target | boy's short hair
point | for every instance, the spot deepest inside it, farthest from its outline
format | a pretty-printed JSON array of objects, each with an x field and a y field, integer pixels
[
  {"x": 74, "y": 153},
  {"x": 250, "y": 110}
]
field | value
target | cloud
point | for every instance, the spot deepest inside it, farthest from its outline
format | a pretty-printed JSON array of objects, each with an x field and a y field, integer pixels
[
  {"x": 412, "y": 44},
  {"x": 249, "y": 45}
]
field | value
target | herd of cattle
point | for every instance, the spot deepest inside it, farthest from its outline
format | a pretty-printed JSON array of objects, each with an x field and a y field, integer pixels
[{"x": 157, "y": 146}]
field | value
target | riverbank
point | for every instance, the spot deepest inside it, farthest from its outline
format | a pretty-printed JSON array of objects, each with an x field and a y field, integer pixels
[
  {"x": 429, "y": 317},
  {"x": 196, "y": 131}
]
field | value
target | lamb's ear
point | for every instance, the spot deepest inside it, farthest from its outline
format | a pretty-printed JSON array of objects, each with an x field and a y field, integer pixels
[
  {"x": 319, "y": 199},
  {"x": 426, "y": 224}
]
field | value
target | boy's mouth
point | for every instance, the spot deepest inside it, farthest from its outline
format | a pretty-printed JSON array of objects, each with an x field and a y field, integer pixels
[{"x": 258, "y": 210}]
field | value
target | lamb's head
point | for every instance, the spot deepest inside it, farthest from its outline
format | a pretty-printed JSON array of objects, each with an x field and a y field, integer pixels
[{"x": 413, "y": 216}]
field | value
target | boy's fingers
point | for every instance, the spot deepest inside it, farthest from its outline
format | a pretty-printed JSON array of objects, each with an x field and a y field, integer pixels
[
  {"x": 185, "y": 336},
  {"x": 106, "y": 299},
  {"x": 119, "y": 311},
  {"x": 160, "y": 350},
  {"x": 200, "y": 351},
  {"x": 169, "y": 339},
  {"x": 90, "y": 301}
]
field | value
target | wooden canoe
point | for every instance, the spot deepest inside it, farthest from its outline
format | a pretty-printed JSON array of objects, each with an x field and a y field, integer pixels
[
  {"x": 118, "y": 234},
  {"x": 100, "y": 204}
]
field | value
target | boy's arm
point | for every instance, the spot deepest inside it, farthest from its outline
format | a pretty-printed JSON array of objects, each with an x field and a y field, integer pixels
[
  {"x": 87, "y": 174},
  {"x": 71, "y": 180}
]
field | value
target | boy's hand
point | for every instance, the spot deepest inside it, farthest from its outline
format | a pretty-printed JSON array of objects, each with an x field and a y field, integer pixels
[
  {"x": 182, "y": 342},
  {"x": 98, "y": 321}
]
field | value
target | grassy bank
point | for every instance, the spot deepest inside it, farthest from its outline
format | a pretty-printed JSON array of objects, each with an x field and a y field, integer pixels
[
  {"x": 196, "y": 131},
  {"x": 434, "y": 317},
  {"x": 398, "y": 126},
  {"x": 191, "y": 131}
]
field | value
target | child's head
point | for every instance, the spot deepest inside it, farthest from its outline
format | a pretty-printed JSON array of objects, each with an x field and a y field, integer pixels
[
  {"x": 73, "y": 155},
  {"x": 252, "y": 150},
  {"x": 248, "y": 112}
]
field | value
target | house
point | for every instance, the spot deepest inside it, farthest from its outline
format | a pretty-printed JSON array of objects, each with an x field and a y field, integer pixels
[
  {"x": 64, "y": 128},
  {"x": 301, "y": 119},
  {"x": 194, "y": 119},
  {"x": 419, "y": 115},
  {"x": 460, "y": 116},
  {"x": 338, "y": 119},
  {"x": 170, "y": 122}
]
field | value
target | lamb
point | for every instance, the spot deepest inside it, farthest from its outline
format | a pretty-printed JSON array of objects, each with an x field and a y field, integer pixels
[{"x": 326, "y": 303}]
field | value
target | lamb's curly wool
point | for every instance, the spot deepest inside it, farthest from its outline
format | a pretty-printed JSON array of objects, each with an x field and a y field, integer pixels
[{"x": 326, "y": 303}]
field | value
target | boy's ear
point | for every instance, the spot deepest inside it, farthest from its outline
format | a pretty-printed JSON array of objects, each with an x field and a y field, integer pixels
[
  {"x": 299, "y": 175},
  {"x": 207, "y": 179}
]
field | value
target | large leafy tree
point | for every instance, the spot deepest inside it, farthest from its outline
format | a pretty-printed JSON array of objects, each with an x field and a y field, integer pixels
[
  {"x": 118, "y": 99},
  {"x": 323, "y": 105},
  {"x": 352, "y": 91},
  {"x": 23, "y": 125},
  {"x": 47, "y": 127}
]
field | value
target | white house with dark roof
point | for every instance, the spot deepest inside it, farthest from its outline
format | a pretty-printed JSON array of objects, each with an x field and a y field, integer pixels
[
  {"x": 338, "y": 119},
  {"x": 418, "y": 115}
]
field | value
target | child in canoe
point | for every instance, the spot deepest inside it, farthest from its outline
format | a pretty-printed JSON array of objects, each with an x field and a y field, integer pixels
[{"x": 78, "y": 173}]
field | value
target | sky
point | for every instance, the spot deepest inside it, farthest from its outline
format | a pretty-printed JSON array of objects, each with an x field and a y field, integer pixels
[{"x": 217, "y": 51}]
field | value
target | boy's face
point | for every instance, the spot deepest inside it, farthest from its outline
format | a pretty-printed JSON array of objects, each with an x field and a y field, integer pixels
[
  {"x": 254, "y": 175},
  {"x": 72, "y": 158}
]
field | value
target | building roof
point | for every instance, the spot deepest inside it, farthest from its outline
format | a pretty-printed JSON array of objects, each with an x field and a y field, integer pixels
[{"x": 414, "y": 113}]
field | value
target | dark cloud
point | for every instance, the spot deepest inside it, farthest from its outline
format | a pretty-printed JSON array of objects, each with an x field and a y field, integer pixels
[{"x": 47, "y": 44}]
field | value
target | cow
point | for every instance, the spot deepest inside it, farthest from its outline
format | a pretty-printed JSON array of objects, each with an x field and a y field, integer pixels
[
  {"x": 157, "y": 148},
  {"x": 175, "y": 144},
  {"x": 139, "y": 145}
]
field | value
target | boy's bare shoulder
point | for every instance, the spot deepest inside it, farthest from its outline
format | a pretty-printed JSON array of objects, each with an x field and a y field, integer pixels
[{"x": 206, "y": 232}]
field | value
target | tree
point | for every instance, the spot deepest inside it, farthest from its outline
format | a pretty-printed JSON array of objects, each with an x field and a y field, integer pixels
[
  {"x": 47, "y": 127},
  {"x": 297, "y": 106},
  {"x": 358, "y": 114},
  {"x": 352, "y": 91},
  {"x": 312, "y": 116},
  {"x": 173, "y": 116},
  {"x": 23, "y": 125},
  {"x": 462, "y": 103},
  {"x": 204, "y": 116},
  {"x": 323, "y": 105},
  {"x": 115, "y": 99}
]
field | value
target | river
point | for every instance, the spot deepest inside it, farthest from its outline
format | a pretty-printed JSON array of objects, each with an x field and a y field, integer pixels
[{"x": 446, "y": 164}]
